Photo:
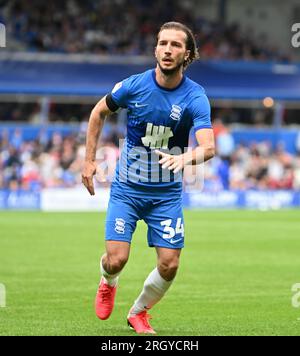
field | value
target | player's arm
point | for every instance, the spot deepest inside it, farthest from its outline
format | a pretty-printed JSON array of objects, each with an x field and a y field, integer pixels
[
  {"x": 202, "y": 153},
  {"x": 205, "y": 149},
  {"x": 96, "y": 122}
]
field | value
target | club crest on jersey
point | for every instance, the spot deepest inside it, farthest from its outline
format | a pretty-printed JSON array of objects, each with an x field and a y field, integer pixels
[
  {"x": 176, "y": 112},
  {"x": 120, "y": 226}
]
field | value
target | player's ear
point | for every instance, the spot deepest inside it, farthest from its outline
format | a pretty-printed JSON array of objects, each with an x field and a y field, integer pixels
[{"x": 187, "y": 54}]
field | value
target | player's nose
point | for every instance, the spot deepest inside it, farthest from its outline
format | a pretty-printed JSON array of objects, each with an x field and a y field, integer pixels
[{"x": 168, "y": 49}]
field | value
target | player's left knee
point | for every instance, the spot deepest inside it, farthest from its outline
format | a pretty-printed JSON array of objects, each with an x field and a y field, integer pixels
[{"x": 168, "y": 269}]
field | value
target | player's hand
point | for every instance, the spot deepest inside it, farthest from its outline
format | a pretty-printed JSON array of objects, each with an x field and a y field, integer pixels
[
  {"x": 172, "y": 162},
  {"x": 89, "y": 170}
]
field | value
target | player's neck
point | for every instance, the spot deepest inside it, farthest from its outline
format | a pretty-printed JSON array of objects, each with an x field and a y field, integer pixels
[{"x": 168, "y": 81}]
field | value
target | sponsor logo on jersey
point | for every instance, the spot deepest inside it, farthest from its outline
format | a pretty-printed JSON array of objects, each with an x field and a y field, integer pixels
[{"x": 157, "y": 136}]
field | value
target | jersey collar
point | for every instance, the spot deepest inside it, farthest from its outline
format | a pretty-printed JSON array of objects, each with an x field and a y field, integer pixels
[{"x": 163, "y": 88}]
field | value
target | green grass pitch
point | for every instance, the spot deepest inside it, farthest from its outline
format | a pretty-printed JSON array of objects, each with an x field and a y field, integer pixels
[{"x": 235, "y": 278}]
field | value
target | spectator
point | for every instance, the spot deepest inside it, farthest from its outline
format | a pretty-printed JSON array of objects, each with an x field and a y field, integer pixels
[{"x": 225, "y": 144}]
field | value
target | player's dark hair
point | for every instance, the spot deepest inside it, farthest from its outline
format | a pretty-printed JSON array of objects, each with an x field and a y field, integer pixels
[{"x": 190, "y": 40}]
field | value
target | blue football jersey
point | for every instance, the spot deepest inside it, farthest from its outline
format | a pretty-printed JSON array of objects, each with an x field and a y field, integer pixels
[{"x": 157, "y": 118}]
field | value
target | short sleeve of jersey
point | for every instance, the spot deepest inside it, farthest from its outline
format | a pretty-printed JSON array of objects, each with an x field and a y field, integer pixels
[
  {"x": 201, "y": 112},
  {"x": 120, "y": 93}
]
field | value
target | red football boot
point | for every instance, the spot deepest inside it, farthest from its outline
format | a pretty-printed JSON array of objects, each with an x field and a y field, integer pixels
[
  {"x": 140, "y": 323},
  {"x": 105, "y": 300}
]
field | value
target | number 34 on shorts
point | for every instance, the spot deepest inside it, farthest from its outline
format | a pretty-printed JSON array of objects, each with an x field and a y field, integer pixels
[{"x": 170, "y": 234}]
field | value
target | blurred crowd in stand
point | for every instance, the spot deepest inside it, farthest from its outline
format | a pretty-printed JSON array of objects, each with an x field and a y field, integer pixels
[
  {"x": 57, "y": 161},
  {"x": 118, "y": 27}
]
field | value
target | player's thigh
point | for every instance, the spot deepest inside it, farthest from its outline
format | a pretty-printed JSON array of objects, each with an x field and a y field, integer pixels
[
  {"x": 122, "y": 216},
  {"x": 166, "y": 224}
]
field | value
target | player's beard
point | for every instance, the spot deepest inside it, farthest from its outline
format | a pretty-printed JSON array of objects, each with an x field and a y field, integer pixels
[{"x": 171, "y": 71}]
